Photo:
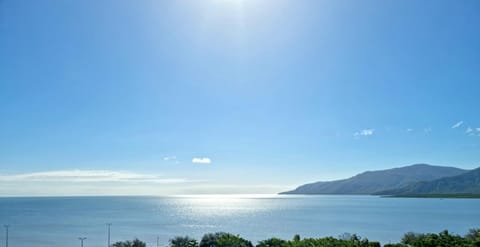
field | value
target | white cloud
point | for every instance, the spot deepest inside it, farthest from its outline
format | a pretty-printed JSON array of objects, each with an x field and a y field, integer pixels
[
  {"x": 409, "y": 130},
  {"x": 457, "y": 125},
  {"x": 201, "y": 160},
  {"x": 88, "y": 176},
  {"x": 365, "y": 132},
  {"x": 469, "y": 130},
  {"x": 167, "y": 158}
]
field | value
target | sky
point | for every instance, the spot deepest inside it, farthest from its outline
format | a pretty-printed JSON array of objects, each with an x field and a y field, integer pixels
[{"x": 231, "y": 96}]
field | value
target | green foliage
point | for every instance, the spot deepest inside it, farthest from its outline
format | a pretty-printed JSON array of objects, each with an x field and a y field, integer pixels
[
  {"x": 210, "y": 239},
  {"x": 222, "y": 239},
  {"x": 354, "y": 241},
  {"x": 473, "y": 234},
  {"x": 183, "y": 242},
  {"x": 443, "y": 239},
  {"x": 410, "y": 239},
  {"x": 349, "y": 236},
  {"x": 230, "y": 240},
  {"x": 274, "y": 242},
  {"x": 349, "y": 240},
  {"x": 296, "y": 238},
  {"x": 134, "y": 243}
]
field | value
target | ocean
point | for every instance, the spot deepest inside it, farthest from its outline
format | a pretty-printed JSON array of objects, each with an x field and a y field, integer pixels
[{"x": 60, "y": 221}]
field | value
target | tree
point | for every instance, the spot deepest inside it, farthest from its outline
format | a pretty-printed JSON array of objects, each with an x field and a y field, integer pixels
[
  {"x": 135, "y": 243},
  {"x": 443, "y": 239},
  {"x": 273, "y": 242},
  {"x": 473, "y": 234},
  {"x": 411, "y": 238},
  {"x": 230, "y": 240},
  {"x": 296, "y": 238},
  {"x": 210, "y": 239},
  {"x": 183, "y": 242},
  {"x": 222, "y": 239}
]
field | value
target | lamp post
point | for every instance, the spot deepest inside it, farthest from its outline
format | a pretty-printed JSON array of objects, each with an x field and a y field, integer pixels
[
  {"x": 6, "y": 234},
  {"x": 108, "y": 241},
  {"x": 81, "y": 241}
]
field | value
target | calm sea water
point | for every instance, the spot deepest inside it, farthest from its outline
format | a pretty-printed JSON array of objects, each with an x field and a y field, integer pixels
[{"x": 60, "y": 221}]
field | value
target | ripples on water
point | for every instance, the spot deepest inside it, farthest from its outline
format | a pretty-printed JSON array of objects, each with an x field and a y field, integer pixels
[{"x": 60, "y": 221}]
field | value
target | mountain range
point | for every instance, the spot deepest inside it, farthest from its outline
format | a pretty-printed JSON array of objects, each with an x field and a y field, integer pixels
[
  {"x": 418, "y": 179},
  {"x": 465, "y": 183}
]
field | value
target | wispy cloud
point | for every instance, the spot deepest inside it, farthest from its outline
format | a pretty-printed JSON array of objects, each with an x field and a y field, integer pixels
[
  {"x": 171, "y": 159},
  {"x": 458, "y": 124},
  {"x": 365, "y": 132},
  {"x": 201, "y": 160},
  {"x": 167, "y": 158},
  {"x": 472, "y": 131},
  {"x": 84, "y": 176},
  {"x": 409, "y": 130}
]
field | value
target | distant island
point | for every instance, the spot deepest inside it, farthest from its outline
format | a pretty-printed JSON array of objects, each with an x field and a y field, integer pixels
[{"x": 419, "y": 180}]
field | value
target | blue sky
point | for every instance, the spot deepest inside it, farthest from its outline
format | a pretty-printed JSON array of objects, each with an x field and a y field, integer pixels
[{"x": 114, "y": 97}]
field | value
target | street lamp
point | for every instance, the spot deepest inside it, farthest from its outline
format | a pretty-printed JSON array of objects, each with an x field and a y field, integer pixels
[
  {"x": 81, "y": 241},
  {"x": 6, "y": 234},
  {"x": 108, "y": 241}
]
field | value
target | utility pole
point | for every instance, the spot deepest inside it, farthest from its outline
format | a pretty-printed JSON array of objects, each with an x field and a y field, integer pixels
[
  {"x": 81, "y": 241},
  {"x": 6, "y": 234},
  {"x": 158, "y": 240},
  {"x": 108, "y": 241}
]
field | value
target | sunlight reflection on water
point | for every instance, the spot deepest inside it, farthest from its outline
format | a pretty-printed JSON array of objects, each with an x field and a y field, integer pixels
[{"x": 222, "y": 205}]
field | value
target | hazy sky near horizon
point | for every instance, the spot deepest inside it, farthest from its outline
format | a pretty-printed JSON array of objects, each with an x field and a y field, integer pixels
[{"x": 232, "y": 96}]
